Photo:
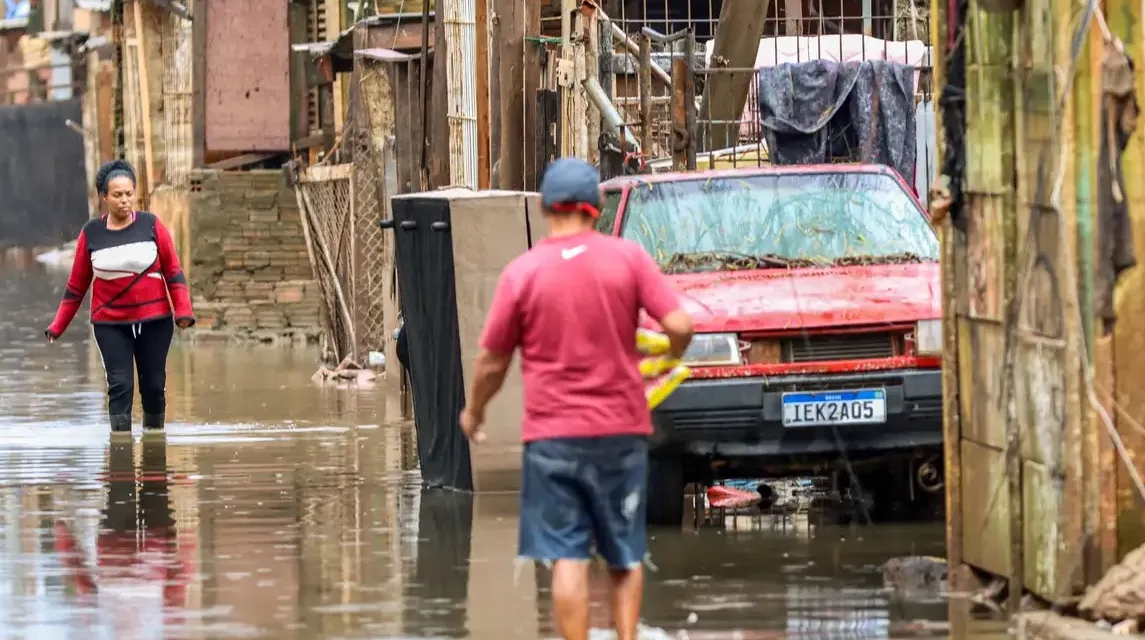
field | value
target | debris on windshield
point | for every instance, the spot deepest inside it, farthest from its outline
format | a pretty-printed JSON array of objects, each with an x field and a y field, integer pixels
[
  {"x": 731, "y": 261},
  {"x": 891, "y": 258}
]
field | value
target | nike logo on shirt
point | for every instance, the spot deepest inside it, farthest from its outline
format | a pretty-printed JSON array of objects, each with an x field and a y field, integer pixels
[{"x": 569, "y": 254}]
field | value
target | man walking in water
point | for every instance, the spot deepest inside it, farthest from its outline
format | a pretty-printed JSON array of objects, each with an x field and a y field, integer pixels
[{"x": 571, "y": 305}]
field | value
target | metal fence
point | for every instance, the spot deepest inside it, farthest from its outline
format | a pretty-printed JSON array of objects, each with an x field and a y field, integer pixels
[
  {"x": 325, "y": 196},
  {"x": 344, "y": 197},
  {"x": 688, "y": 105}
]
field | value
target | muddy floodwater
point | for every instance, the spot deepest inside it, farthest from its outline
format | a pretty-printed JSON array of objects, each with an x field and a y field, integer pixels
[{"x": 273, "y": 508}]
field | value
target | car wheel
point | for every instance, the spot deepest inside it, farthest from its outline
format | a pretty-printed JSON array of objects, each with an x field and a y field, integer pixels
[{"x": 665, "y": 491}]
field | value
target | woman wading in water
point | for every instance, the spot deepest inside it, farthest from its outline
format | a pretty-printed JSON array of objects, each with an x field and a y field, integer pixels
[{"x": 131, "y": 258}]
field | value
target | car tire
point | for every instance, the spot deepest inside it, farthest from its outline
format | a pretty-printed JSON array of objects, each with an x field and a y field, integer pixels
[{"x": 665, "y": 491}]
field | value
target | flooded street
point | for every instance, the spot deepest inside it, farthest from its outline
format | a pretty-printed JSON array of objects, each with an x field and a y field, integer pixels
[{"x": 274, "y": 508}]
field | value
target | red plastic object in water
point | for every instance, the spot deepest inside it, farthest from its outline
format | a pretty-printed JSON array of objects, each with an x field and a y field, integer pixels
[{"x": 721, "y": 497}]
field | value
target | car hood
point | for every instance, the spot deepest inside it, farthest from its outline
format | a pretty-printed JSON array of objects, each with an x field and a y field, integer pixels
[{"x": 782, "y": 299}]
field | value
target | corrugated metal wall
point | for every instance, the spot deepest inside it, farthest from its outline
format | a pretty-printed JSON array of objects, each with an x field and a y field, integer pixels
[{"x": 42, "y": 177}]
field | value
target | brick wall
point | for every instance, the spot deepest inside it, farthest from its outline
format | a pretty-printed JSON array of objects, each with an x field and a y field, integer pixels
[{"x": 250, "y": 274}]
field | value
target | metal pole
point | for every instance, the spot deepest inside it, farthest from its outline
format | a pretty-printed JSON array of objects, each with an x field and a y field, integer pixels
[
  {"x": 646, "y": 94},
  {"x": 608, "y": 111}
]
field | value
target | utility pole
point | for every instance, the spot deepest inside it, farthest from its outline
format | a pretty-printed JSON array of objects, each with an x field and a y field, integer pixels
[{"x": 731, "y": 71}]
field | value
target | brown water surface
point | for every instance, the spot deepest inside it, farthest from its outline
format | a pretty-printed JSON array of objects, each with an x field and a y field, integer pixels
[{"x": 274, "y": 508}]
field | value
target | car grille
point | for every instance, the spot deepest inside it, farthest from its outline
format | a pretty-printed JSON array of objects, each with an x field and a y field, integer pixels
[
  {"x": 742, "y": 418},
  {"x": 833, "y": 385},
  {"x": 858, "y": 346}
]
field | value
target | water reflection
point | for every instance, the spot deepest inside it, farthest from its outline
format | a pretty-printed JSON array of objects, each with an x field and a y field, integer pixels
[
  {"x": 137, "y": 580},
  {"x": 276, "y": 508}
]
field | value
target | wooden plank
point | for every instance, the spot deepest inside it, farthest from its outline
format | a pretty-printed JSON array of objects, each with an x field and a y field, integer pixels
[
  {"x": 793, "y": 17},
  {"x": 326, "y": 173},
  {"x": 333, "y": 30},
  {"x": 240, "y": 161},
  {"x": 439, "y": 175},
  {"x": 145, "y": 100},
  {"x": 510, "y": 16},
  {"x": 105, "y": 108},
  {"x": 299, "y": 89},
  {"x": 199, "y": 82},
  {"x": 531, "y": 67},
  {"x": 495, "y": 113},
  {"x": 725, "y": 95},
  {"x": 481, "y": 24},
  {"x": 952, "y": 266}
]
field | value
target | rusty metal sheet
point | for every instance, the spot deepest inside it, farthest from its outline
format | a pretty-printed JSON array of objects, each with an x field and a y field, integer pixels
[{"x": 247, "y": 76}]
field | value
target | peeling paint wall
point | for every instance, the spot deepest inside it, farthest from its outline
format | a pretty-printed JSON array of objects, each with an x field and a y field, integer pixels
[{"x": 1018, "y": 286}]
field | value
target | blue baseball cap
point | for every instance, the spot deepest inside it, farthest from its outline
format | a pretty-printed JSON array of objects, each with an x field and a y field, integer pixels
[{"x": 571, "y": 184}]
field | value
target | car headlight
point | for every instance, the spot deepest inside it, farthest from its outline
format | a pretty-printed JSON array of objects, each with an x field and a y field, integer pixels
[
  {"x": 928, "y": 338},
  {"x": 713, "y": 349}
]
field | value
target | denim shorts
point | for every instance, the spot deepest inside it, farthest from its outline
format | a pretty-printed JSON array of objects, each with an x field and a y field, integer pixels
[{"x": 580, "y": 495}]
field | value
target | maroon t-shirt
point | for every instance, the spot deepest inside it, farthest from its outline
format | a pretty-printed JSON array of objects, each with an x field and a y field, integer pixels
[{"x": 572, "y": 305}]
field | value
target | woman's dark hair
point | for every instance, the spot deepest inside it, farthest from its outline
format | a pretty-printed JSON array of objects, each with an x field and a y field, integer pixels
[{"x": 111, "y": 170}]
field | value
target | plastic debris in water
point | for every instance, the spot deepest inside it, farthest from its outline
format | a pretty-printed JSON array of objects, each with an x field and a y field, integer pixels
[{"x": 724, "y": 497}]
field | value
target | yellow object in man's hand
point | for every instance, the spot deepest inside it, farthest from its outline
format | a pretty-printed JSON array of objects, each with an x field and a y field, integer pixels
[
  {"x": 662, "y": 374},
  {"x": 657, "y": 366},
  {"x": 652, "y": 343},
  {"x": 656, "y": 391}
]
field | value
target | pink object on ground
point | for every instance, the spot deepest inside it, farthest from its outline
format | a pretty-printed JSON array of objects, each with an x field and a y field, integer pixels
[{"x": 721, "y": 497}]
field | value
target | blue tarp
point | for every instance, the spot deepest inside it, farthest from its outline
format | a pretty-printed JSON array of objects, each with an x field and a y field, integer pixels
[{"x": 18, "y": 10}]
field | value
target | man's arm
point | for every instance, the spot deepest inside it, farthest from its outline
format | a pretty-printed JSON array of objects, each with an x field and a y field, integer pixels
[
  {"x": 488, "y": 376},
  {"x": 660, "y": 301},
  {"x": 499, "y": 339}
]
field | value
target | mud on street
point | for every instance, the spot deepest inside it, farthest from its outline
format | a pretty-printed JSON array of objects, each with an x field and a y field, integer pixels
[{"x": 276, "y": 508}]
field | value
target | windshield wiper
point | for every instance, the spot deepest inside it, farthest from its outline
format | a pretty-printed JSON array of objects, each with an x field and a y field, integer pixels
[
  {"x": 730, "y": 261},
  {"x": 905, "y": 257}
]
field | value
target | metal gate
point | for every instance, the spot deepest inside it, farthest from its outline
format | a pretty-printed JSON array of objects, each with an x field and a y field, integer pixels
[{"x": 679, "y": 89}]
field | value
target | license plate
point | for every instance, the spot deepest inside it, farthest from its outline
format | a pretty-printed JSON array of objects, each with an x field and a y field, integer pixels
[{"x": 861, "y": 406}]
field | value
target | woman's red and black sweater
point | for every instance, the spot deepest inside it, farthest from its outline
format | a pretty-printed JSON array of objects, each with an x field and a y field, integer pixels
[{"x": 133, "y": 268}]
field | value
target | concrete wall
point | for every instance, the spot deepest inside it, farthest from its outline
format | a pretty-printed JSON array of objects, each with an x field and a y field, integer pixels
[{"x": 250, "y": 274}]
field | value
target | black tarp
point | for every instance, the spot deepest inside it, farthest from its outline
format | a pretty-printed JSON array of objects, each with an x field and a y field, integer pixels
[
  {"x": 820, "y": 111},
  {"x": 439, "y": 590},
  {"x": 42, "y": 176},
  {"x": 429, "y": 310}
]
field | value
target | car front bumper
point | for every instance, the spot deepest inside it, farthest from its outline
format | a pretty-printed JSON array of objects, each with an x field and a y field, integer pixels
[{"x": 739, "y": 417}]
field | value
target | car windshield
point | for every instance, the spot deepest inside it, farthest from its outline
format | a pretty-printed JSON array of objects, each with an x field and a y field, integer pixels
[{"x": 778, "y": 221}]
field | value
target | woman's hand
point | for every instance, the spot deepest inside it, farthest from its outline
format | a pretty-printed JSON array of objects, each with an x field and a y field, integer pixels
[
  {"x": 51, "y": 338},
  {"x": 183, "y": 323}
]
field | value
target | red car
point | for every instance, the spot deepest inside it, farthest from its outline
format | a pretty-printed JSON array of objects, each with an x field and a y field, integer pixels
[{"x": 816, "y": 300}]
